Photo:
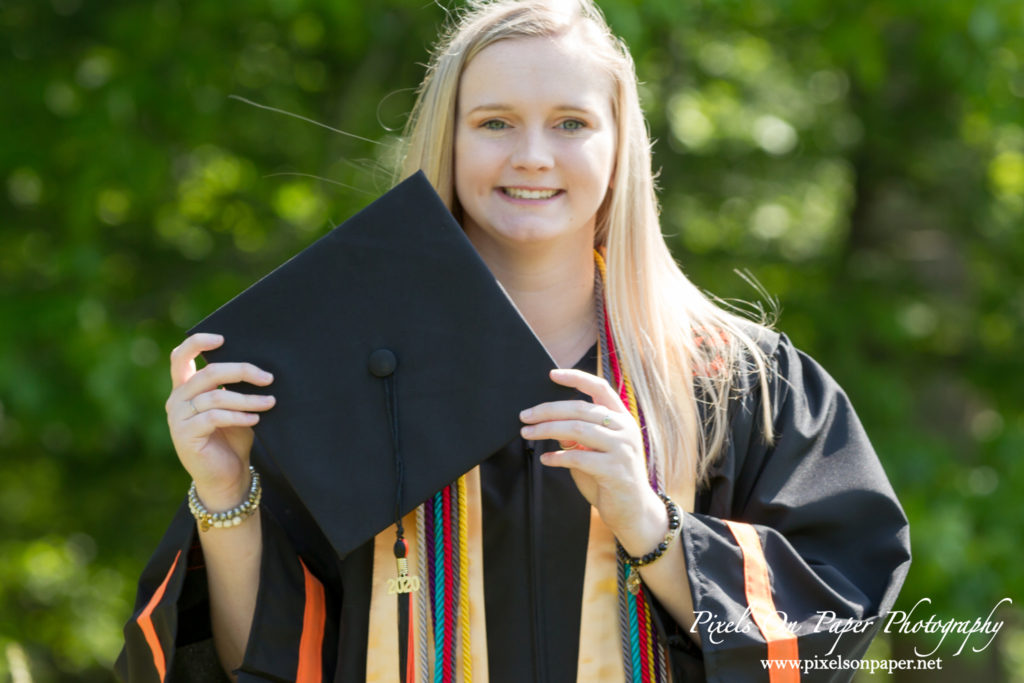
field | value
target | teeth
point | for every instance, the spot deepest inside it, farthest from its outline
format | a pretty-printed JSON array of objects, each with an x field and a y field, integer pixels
[{"x": 529, "y": 194}]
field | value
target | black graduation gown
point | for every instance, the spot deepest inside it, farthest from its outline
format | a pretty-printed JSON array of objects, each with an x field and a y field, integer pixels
[{"x": 834, "y": 539}]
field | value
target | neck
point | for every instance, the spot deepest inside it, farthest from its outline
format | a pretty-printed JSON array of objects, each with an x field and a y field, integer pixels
[{"x": 553, "y": 288}]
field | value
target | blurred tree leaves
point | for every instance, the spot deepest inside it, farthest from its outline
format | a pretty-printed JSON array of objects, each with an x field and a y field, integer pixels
[{"x": 865, "y": 161}]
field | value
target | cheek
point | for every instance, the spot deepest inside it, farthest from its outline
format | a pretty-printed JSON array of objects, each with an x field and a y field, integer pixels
[
  {"x": 611, "y": 149},
  {"x": 464, "y": 170},
  {"x": 471, "y": 166},
  {"x": 600, "y": 160}
]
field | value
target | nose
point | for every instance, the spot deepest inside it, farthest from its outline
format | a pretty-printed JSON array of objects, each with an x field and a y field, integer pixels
[{"x": 532, "y": 151}]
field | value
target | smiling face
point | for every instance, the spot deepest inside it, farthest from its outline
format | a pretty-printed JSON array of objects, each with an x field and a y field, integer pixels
[{"x": 534, "y": 142}]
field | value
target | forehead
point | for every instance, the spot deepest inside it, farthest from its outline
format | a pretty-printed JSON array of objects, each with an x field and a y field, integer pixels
[{"x": 558, "y": 70}]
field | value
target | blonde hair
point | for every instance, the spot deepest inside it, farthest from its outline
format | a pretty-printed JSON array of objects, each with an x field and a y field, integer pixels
[{"x": 676, "y": 344}]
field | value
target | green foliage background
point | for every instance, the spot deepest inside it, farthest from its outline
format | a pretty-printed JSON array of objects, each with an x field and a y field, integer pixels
[{"x": 863, "y": 160}]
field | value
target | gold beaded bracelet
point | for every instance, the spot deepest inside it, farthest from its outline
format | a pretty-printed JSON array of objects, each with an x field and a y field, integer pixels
[{"x": 233, "y": 517}]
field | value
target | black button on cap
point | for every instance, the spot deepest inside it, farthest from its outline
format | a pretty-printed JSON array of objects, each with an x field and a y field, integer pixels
[{"x": 382, "y": 363}]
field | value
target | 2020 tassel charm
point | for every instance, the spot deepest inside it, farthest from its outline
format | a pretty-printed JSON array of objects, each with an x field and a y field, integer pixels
[
  {"x": 633, "y": 580},
  {"x": 403, "y": 583}
]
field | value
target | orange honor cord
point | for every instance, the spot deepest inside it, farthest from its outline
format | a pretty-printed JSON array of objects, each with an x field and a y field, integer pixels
[
  {"x": 782, "y": 643},
  {"x": 314, "y": 616},
  {"x": 145, "y": 622}
]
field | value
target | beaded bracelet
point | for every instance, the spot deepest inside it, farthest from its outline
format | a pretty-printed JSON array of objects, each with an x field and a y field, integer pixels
[
  {"x": 233, "y": 517},
  {"x": 634, "y": 563}
]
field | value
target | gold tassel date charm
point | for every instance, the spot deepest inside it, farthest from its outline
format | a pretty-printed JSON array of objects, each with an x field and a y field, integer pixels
[
  {"x": 403, "y": 583},
  {"x": 633, "y": 581}
]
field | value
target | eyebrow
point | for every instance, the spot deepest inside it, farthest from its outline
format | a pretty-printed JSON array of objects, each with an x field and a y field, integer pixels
[{"x": 505, "y": 107}]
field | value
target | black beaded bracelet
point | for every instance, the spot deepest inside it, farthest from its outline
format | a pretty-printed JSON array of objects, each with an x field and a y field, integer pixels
[{"x": 634, "y": 563}]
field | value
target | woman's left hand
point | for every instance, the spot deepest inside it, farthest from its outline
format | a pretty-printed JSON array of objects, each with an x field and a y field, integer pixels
[{"x": 603, "y": 448}]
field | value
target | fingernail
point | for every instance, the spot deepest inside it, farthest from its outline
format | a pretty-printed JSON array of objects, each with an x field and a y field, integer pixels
[
  {"x": 266, "y": 376},
  {"x": 527, "y": 430},
  {"x": 526, "y": 413}
]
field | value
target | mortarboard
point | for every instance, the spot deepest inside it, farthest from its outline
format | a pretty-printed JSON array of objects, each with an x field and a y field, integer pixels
[{"x": 389, "y": 334}]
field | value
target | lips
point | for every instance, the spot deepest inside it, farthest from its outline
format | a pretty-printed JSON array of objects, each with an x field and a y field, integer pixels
[{"x": 521, "y": 193}]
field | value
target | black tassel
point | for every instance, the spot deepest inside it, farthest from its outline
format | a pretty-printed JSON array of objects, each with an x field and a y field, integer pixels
[
  {"x": 403, "y": 613},
  {"x": 383, "y": 364}
]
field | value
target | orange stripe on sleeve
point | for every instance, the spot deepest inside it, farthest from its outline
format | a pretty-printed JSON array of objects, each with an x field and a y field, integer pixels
[
  {"x": 145, "y": 622},
  {"x": 782, "y": 644},
  {"x": 313, "y": 619}
]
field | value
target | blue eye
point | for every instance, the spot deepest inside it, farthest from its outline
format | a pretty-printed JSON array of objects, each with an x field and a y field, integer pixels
[
  {"x": 572, "y": 124},
  {"x": 493, "y": 124}
]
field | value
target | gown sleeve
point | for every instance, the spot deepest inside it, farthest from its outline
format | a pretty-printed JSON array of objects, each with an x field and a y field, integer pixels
[
  {"x": 294, "y": 633},
  {"x": 796, "y": 549}
]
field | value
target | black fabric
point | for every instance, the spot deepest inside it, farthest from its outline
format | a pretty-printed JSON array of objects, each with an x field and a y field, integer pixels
[
  {"x": 194, "y": 601},
  {"x": 274, "y": 618},
  {"x": 197, "y": 662},
  {"x": 535, "y": 528},
  {"x": 833, "y": 534},
  {"x": 536, "y": 620},
  {"x": 168, "y": 568}
]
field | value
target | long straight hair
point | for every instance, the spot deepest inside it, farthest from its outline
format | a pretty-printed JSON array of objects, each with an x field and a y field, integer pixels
[{"x": 677, "y": 345}]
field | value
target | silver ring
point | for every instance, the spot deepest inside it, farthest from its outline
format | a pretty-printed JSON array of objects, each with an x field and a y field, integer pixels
[
  {"x": 192, "y": 406},
  {"x": 607, "y": 420}
]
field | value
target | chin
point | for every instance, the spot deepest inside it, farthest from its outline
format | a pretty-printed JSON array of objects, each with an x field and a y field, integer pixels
[
  {"x": 524, "y": 232},
  {"x": 534, "y": 229},
  {"x": 531, "y": 235}
]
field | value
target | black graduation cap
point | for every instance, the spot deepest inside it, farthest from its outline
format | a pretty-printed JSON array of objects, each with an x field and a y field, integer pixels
[{"x": 393, "y": 348}]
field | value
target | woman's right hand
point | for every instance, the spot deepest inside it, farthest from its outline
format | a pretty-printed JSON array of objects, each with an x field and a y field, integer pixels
[{"x": 211, "y": 427}]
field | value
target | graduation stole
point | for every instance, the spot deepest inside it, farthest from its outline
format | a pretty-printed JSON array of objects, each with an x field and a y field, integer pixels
[{"x": 440, "y": 634}]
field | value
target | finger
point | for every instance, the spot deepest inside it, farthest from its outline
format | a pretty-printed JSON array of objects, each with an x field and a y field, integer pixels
[
  {"x": 231, "y": 400},
  {"x": 209, "y": 420},
  {"x": 217, "y": 374},
  {"x": 587, "y": 434},
  {"x": 559, "y": 459},
  {"x": 183, "y": 357},
  {"x": 574, "y": 410},
  {"x": 588, "y": 462},
  {"x": 591, "y": 385}
]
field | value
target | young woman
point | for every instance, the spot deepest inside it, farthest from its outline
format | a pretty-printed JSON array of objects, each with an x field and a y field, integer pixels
[{"x": 714, "y": 511}]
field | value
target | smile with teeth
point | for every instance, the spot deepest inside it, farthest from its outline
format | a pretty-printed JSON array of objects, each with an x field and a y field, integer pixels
[{"x": 518, "y": 193}]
